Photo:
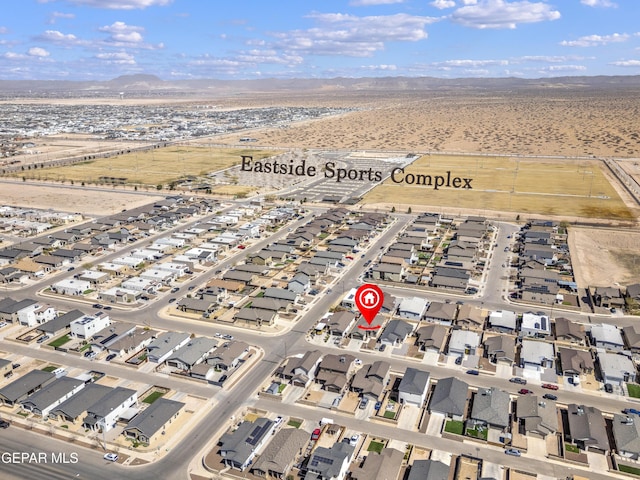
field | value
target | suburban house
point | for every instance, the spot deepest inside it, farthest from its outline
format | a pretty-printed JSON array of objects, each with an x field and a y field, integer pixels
[
  {"x": 228, "y": 355},
  {"x": 72, "y": 408},
  {"x": 471, "y": 317},
  {"x": 616, "y": 368},
  {"x": 300, "y": 284},
  {"x": 50, "y": 396},
  {"x": 238, "y": 448},
  {"x": 104, "y": 414},
  {"x": 503, "y": 321},
  {"x": 500, "y": 349},
  {"x": 574, "y": 362},
  {"x": 449, "y": 397},
  {"x": 300, "y": 371},
  {"x": 281, "y": 454},
  {"x": 333, "y": 372},
  {"x": 371, "y": 379},
  {"x": 165, "y": 345},
  {"x": 148, "y": 425},
  {"x": 330, "y": 463},
  {"x": 428, "y": 470},
  {"x": 412, "y": 308},
  {"x": 27, "y": 384},
  {"x": 340, "y": 323},
  {"x": 587, "y": 428},
  {"x": 191, "y": 354},
  {"x": 413, "y": 387},
  {"x": 537, "y": 416},
  {"x": 60, "y": 323},
  {"x": 432, "y": 338},
  {"x": 464, "y": 342},
  {"x": 536, "y": 354},
  {"x": 385, "y": 465},
  {"x": 491, "y": 407},
  {"x": 626, "y": 433},
  {"x": 607, "y": 336},
  {"x": 569, "y": 332},
  {"x": 534, "y": 325},
  {"x": 395, "y": 333},
  {"x": 607, "y": 297},
  {"x": 441, "y": 312},
  {"x": 87, "y": 326},
  {"x": 632, "y": 337}
]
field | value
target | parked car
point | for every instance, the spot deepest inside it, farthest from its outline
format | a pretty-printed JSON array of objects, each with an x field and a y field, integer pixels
[
  {"x": 382, "y": 347},
  {"x": 90, "y": 354},
  {"x": 278, "y": 420},
  {"x": 473, "y": 372},
  {"x": 459, "y": 360},
  {"x": 353, "y": 441},
  {"x": 524, "y": 391},
  {"x": 549, "y": 386},
  {"x": 513, "y": 451},
  {"x": 518, "y": 380},
  {"x": 171, "y": 300},
  {"x": 608, "y": 388},
  {"x": 223, "y": 378},
  {"x": 71, "y": 269},
  {"x": 96, "y": 305},
  {"x": 241, "y": 247},
  {"x": 107, "y": 307},
  {"x": 112, "y": 457},
  {"x": 43, "y": 339},
  {"x": 110, "y": 357},
  {"x": 357, "y": 361},
  {"x": 550, "y": 396},
  {"x": 364, "y": 403},
  {"x": 4, "y": 424},
  {"x": 226, "y": 336},
  {"x": 377, "y": 405},
  {"x": 316, "y": 434}
]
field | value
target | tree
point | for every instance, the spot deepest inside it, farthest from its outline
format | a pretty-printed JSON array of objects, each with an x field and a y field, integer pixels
[
  {"x": 393, "y": 209},
  {"x": 409, "y": 210},
  {"x": 159, "y": 186}
]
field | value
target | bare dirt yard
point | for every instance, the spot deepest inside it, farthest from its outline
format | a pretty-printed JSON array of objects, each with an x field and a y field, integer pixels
[
  {"x": 604, "y": 257},
  {"x": 92, "y": 202}
]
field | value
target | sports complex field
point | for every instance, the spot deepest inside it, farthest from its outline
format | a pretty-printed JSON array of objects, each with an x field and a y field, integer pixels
[{"x": 574, "y": 188}]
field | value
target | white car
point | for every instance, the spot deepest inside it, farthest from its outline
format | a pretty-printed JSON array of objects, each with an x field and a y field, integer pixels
[
  {"x": 112, "y": 457},
  {"x": 353, "y": 441},
  {"x": 358, "y": 361}
]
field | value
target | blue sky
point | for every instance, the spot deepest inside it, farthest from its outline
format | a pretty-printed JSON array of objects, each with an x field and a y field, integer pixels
[{"x": 243, "y": 39}]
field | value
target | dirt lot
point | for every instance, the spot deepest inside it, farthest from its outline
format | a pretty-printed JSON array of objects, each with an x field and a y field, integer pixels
[
  {"x": 88, "y": 202},
  {"x": 605, "y": 257}
]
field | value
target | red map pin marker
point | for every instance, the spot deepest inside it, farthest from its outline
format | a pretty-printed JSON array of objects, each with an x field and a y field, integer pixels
[{"x": 369, "y": 300}]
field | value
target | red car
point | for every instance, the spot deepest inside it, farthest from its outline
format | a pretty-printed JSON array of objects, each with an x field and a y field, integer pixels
[
  {"x": 241, "y": 247},
  {"x": 315, "y": 435},
  {"x": 524, "y": 391},
  {"x": 550, "y": 386}
]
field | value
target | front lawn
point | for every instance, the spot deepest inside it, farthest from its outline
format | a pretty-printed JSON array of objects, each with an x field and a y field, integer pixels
[
  {"x": 628, "y": 469},
  {"x": 58, "y": 342},
  {"x": 454, "y": 426},
  {"x": 294, "y": 423},
  {"x": 375, "y": 447},
  {"x": 390, "y": 414},
  {"x": 152, "y": 397},
  {"x": 478, "y": 432},
  {"x": 633, "y": 389},
  {"x": 49, "y": 368},
  {"x": 569, "y": 447}
]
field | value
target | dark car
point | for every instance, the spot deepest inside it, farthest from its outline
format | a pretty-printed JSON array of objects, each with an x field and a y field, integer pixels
[
  {"x": 518, "y": 380},
  {"x": 71, "y": 269},
  {"x": 631, "y": 410},
  {"x": 382, "y": 347},
  {"x": 110, "y": 357},
  {"x": 608, "y": 388},
  {"x": 171, "y": 300},
  {"x": 107, "y": 307},
  {"x": 458, "y": 360},
  {"x": 175, "y": 289},
  {"x": 223, "y": 378},
  {"x": 524, "y": 391},
  {"x": 550, "y": 396},
  {"x": 473, "y": 372},
  {"x": 97, "y": 305},
  {"x": 4, "y": 424}
]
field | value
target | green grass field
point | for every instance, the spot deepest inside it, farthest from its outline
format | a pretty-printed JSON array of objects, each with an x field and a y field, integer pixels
[
  {"x": 572, "y": 188},
  {"x": 150, "y": 167}
]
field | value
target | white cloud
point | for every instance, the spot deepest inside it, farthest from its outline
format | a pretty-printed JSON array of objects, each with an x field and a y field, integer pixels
[
  {"x": 38, "y": 52},
  {"x": 442, "y": 4},
  {"x": 596, "y": 40},
  {"x": 121, "y": 4},
  {"x": 626, "y": 63},
  {"x": 13, "y": 56},
  {"x": 123, "y": 33},
  {"x": 503, "y": 14},
  {"x": 565, "y": 68},
  {"x": 350, "y": 35},
  {"x": 548, "y": 58},
  {"x": 54, "y": 16},
  {"x": 380, "y": 68},
  {"x": 55, "y": 36},
  {"x": 3, "y": 30},
  {"x": 364, "y": 3},
  {"x": 118, "y": 58},
  {"x": 470, "y": 63},
  {"x": 599, "y": 3}
]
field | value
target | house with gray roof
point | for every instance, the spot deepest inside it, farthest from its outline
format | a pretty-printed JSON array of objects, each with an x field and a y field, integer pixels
[
  {"x": 428, "y": 470},
  {"x": 71, "y": 409},
  {"x": 385, "y": 465},
  {"x": 60, "y": 323},
  {"x": 626, "y": 433},
  {"x": 632, "y": 337},
  {"x": 147, "y": 425},
  {"x": 280, "y": 294},
  {"x": 47, "y": 398},
  {"x": 166, "y": 345},
  {"x": 238, "y": 448},
  {"x": 27, "y": 384},
  {"x": 575, "y": 362},
  {"x": 536, "y": 354},
  {"x": 491, "y": 407},
  {"x": 537, "y": 416},
  {"x": 449, "y": 397},
  {"x": 395, "y": 333},
  {"x": 192, "y": 353},
  {"x": 607, "y": 336},
  {"x": 281, "y": 454},
  {"x": 300, "y": 371},
  {"x": 413, "y": 387},
  {"x": 412, "y": 308},
  {"x": 104, "y": 414},
  {"x": 441, "y": 312},
  {"x": 339, "y": 323},
  {"x": 500, "y": 349},
  {"x": 255, "y": 316},
  {"x": 329, "y": 463},
  {"x": 371, "y": 379},
  {"x": 463, "y": 342},
  {"x": 503, "y": 321},
  {"x": 616, "y": 368},
  {"x": 432, "y": 337},
  {"x": 587, "y": 428}
]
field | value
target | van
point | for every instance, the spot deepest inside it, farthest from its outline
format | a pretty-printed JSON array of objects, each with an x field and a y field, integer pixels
[
  {"x": 59, "y": 372},
  {"x": 326, "y": 421}
]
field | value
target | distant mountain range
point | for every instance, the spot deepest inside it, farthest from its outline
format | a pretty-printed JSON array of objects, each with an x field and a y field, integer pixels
[{"x": 152, "y": 85}]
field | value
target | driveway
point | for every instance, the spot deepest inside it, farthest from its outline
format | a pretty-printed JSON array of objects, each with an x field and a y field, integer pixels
[{"x": 436, "y": 422}]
